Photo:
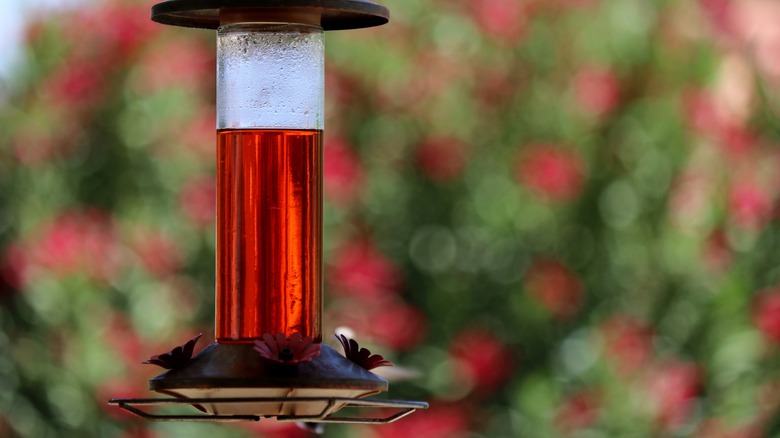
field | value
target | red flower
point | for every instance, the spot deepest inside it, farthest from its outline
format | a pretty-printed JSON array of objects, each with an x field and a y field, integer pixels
[
  {"x": 361, "y": 270},
  {"x": 555, "y": 287},
  {"x": 672, "y": 388},
  {"x": 712, "y": 119},
  {"x": 505, "y": 20},
  {"x": 343, "y": 172},
  {"x": 481, "y": 359},
  {"x": 551, "y": 173},
  {"x": 441, "y": 159},
  {"x": 288, "y": 351},
  {"x": 75, "y": 242},
  {"x": 157, "y": 252},
  {"x": 702, "y": 113},
  {"x": 177, "y": 357},
  {"x": 116, "y": 29},
  {"x": 178, "y": 62},
  {"x": 750, "y": 206},
  {"x": 720, "y": 13},
  {"x": 578, "y": 411},
  {"x": 198, "y": 199},
  {"x": 766, "y": 314},
  {"x": 76, "y": 83},
  {"x": 628, "y": 343},
  {"x": 597, "y": 90},
  {"x": 361, "y": 356},
  {"x": 397, "y": 324}
]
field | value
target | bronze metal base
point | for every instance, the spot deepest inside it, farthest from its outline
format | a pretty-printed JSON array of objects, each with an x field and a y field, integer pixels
[{"x": 236, "y": 371}]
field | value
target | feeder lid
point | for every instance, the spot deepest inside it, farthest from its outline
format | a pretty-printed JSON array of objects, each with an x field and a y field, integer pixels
[{"x": 332, "y": 14}]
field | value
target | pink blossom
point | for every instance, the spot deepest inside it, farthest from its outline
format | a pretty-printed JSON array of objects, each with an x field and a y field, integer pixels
[
  {"x": 116, "y": 29},
  {"x": 720, "y": 13},
  {"x": 343, "y": 171},
  {"x": 176, "y": 62},
  {"x": 672, "y": 388},
  {"x": 737, "y": 140},
  {"x": 710, "y": 117},
  {"x": 750, "y": 206},
  {"x": 76, "y": 241},
  {"x": 578, "y": 411},
  {"x": 360, "y": 269},
  {"x": 441, "y": 158},
  {"x": 702, "y": 113},
  {"x": 766, "y": 314},
  {"x": 505, "y": 20},
  {"x": 76, "y": 84},
  {"x": 754, "y": 23},
  {"x": 198, "y": 200},
  {"x": 158, "y": 253},
  {"x": 628, "y": 343},
  {"x": 555, "y": 287},
  {"x": 396, "y": 324},
  {"x": 550, "y": 172},
  {"x": 597, "y": 90},
  {"x": 481, "y": 359}
]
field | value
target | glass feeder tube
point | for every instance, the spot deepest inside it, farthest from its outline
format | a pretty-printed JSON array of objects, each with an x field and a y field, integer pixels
[{"x": 270, "y": 108}]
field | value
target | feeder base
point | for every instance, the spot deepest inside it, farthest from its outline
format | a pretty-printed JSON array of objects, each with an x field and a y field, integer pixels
[{"x": 236, "y": 371}]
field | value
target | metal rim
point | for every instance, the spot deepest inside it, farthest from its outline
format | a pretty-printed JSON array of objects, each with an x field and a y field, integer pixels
[
  {"x": 404, "y": 408},
  {"x": 334, "y": 14}
]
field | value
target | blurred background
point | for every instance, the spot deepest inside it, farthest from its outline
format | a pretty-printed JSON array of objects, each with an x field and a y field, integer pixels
[{"x": 559, "y": 218}]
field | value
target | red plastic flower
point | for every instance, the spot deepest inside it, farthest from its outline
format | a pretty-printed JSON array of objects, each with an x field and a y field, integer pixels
[
  {"x": 177, "y": 357},
  {"x": 362, "y": 356},
  {"x": 288, "y": 351}
]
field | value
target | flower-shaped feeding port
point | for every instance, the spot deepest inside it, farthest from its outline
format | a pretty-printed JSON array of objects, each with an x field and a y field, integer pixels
[
  {"x": 361, "y": 356},
  {"x": 287, "y": 351},
  {"x": 177, "y": 357}
]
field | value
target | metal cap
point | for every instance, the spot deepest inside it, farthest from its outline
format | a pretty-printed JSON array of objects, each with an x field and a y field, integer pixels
[{"x": 329, "y": 14}]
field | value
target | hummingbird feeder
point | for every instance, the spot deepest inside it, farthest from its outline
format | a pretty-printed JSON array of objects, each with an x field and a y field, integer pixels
[{"x": 268, "y": 360}]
